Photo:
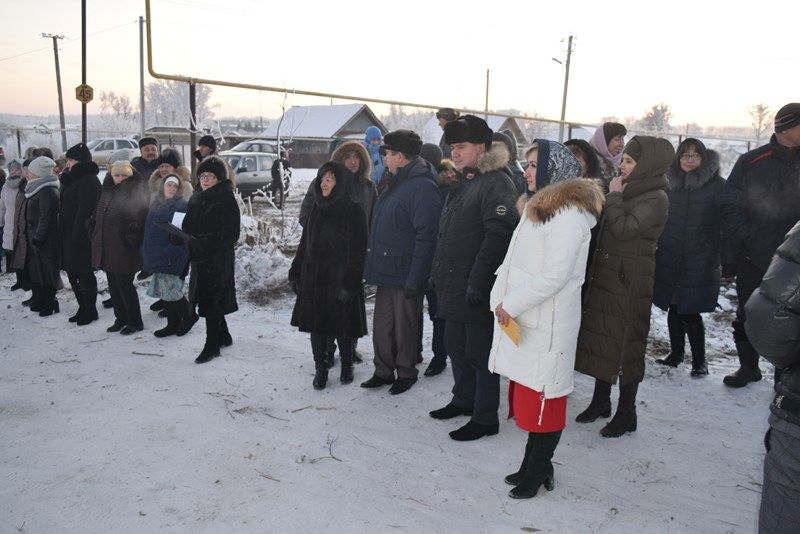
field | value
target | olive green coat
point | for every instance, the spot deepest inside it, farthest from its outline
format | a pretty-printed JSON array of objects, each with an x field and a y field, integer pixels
[{"x": 616, "y": 306}]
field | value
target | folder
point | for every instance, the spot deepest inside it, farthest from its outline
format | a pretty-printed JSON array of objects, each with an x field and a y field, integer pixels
[
  {"x": 174, "y": 230},
  {"x": 512, "y": 331}
]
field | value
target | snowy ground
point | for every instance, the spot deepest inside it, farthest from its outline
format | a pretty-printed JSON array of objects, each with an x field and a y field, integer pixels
[{"x": 105, "y": 433}]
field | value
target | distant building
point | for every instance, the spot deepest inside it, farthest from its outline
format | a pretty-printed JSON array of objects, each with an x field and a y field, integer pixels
[{"x": 310, "y": 130}]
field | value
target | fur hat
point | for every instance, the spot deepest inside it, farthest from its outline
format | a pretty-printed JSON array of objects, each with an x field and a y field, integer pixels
[
  {"x": 215, "y": 166},
  {"x": 144, "y": 141},
  {"x": 612, "y": 130},
  {"x": 448, "y": 114},
  {"x": 405, "y": 141},
  {"x": 79, "y": 152},
  {"x": 372, "y": 134},
  {"x": 208, "y": 141},
  {"x": 468, "y": 129},
  {"x": 122, "y": 167},
  {"x": 42, "y": 166},
  {"x": 432, "y": 154},
  {"x": 171, "y": 157},
  {"x": 787, "y": 117}
]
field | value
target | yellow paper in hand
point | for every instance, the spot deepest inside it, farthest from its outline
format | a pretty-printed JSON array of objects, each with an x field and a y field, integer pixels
[{"x": 512, "y": 331}]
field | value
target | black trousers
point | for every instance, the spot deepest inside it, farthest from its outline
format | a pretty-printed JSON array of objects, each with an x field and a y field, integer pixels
[
  {"x": 82, "y": 283},
  {"x": 437, "y": 341},
  {"x": 748, "y": 278},
  {"x": 124, "y": 298},
  {"x": 320, "y": 346},
  {"x": 468, "y": 346}
]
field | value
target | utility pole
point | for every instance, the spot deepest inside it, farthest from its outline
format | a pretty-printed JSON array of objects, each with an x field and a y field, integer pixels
[
  {"x": 55, "y": 39},
  {"x": 141, "y": 76},
  {"x": 486, "y": 105},
  {"x": 566, "y": 85},
  {"x": 83, "y": 68}
]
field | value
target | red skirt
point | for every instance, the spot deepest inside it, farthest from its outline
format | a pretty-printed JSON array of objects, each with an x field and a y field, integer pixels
[{"x": 525, "y": 406}]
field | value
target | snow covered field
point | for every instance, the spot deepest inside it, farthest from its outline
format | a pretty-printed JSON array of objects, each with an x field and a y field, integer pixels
[{"x": 102, "y": 433}]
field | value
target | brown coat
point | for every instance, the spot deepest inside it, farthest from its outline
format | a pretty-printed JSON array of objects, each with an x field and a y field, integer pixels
[
  {"x": 20, "y": 227},
  {"x": 119, "y": 226},
  {"x": 616, "y": 307}
]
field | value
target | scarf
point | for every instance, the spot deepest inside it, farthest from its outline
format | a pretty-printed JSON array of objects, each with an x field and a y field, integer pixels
[
  {"x": 37, "y": 185},
  {"x": 598, "y": 141}
]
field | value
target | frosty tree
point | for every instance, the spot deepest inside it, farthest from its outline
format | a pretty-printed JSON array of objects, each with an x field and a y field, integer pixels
[
  {"x": 760, "y": 114},
  {"x": 167, "y": 103},
  {"x": 656, "y": 120}
]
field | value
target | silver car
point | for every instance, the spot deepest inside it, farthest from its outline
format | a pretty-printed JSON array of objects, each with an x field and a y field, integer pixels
[
  {"x": 253, "y": 170},
  {"x": 103, "y": 147}
]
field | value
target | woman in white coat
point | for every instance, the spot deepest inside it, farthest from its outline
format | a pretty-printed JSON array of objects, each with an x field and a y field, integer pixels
[{"x": 539, "y": 287}]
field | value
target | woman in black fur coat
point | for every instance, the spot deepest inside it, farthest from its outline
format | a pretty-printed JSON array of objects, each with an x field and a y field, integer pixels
[{"x": 326, "y": 272}]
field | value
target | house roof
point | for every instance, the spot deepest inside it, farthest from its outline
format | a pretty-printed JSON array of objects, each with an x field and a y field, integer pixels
[{"x": 325, "y": 122}]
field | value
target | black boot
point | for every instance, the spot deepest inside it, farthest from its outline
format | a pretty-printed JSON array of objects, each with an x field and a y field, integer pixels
[
  {"x": 79, "y": 298},
  {"x": 748, "y": 360},
  {"x": 539, "y": 468},
  {"x": 20, "y": 283},
  {"x": 108, "y": 303},
  {"x": 49, "y": 302},
  {"x": 225, "y": 339},
  {"x": 89, "y": 306},
  {"x": 600, "y": 405},
  {"x": 514, "y": 478},
  {"x": 173, "y": 319},
  {"x": 346, "y": 375},
  {"x": 321, "y": 376},
  {"x": 677, "y": 339},
  {"x": 158, "y": 305},
  {"x": 36, "y": 301},
  {"x": 696, "y": 331},
  {"x": 211, "y": 348},
  {"x": 188, "y": 320},
  {"x": 625, "y": 418}
]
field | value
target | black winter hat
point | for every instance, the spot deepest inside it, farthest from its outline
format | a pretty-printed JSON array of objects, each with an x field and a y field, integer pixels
[
  {"x": 432, "y": 154},
  {"x": 144, "y": 141},
  {"x": 405, "y": 141},
  {"x": 214, "y": 165},
  {"x": 468, "y": 129},
  {"x": 208, "y": 141},
  {"x": 634, "y": 149},
  {"x": 80, "y": 153},
  {"x": 787, "y": 117},
  {"x": 170, "y": 156},
  {"x": 506, "y": 140},
  {"x": 447, "y": 114},
  {"x": 612, "y": 130}
]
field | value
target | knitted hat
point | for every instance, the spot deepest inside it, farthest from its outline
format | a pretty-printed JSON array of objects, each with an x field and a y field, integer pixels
[
  {"x": 122, "y": 167},
  {"x": 120, "y": 155},
  {"x": 42, "y": 166},
  {"x": 208, "y": 141},
  {"x": 468, "y": 129},
  {"x": 79, "y": 152},
  {"x": 448, "y": 114},
  {"x": 634, "y": 149},
  {"x": 405, "y": 141},
  {"x": 612, "y": 130},
  {"x": 215, "y": 166},
  {"x": 144, "y": 141},
  {"x": 172, "y": 179},
  {"x": 432, "y": 154},
  {"x": 171, "y": 157},
  {"x": 787, "y": 117}
]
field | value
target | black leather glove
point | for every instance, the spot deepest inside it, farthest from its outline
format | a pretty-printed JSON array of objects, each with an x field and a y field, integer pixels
[
  {"x": 344, "y": 296},
  {"x": 295, "y": 287},
  {"x": 474, "y": 296},
  {"x": 413, "y": 292},
  {"x": 729, "y": 270},
  {"x": 175, "y": 240},
  {"x": 37, "y": 242}
]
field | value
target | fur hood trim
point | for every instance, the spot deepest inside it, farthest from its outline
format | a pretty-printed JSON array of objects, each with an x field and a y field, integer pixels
[
  {"x": 582, "y": 193},
  {"x": 365, "y": 170},
  {"x": 495, "y": 159},
  {"x": 694, "y": 180},
  {"x": 156, "y": 183}
]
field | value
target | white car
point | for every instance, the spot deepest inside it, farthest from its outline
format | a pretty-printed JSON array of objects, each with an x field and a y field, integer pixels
[
  {"x": 253, "y": 170},
  {"x": 256, "y": 145},
  {"x": 103, "y": 147}
]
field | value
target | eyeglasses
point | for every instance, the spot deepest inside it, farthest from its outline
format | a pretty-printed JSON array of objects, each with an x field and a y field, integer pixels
[
  {"x": 207, "y": 176},
  {"x": 690, "y": 157}
]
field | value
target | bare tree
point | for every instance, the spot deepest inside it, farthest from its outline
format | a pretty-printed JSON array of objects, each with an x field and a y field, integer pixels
[
  {"x": 656, "y": 120},
  {"x": 398, "y": 117},
  {"x": 760, "y": 114}
]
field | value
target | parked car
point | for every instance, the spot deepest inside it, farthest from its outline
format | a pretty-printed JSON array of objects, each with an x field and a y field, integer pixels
[
  {"x": 2, "y": 157},
  {"x": 256, "y": 145},
  {"x": 103, "y": 147},
  {"x": 253, "y": 170}
]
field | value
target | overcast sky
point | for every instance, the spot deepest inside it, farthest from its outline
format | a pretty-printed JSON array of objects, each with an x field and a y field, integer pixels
[{"x": 708, "y": 61}]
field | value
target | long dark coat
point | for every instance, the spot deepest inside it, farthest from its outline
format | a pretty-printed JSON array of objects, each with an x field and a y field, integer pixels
[
  {"x": 80, "y": 190},
  {"x": 159, "y": 255},
  {"x": 119, "y": 226},
  {"x": 688, "y": 255},
  {"x": 477, "y": 221},
  {"x": 213, "y": 219},
  {"x": 20, "y": 228},
  {"x": 41, "y": 217},
  {"x": 616, "y": 305},
  {"x": 331, "y": 258}
]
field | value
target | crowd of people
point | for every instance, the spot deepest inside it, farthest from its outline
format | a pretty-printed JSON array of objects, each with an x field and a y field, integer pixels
[{"x": 531, "y": 271}]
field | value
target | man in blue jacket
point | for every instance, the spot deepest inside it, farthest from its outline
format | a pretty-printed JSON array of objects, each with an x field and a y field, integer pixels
[{"x": 399, "y": 254}]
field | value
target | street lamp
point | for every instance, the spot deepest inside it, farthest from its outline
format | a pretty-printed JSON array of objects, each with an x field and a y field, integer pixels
[
  {"x": 566, "y": 85},
  {"x": 55, "y": 39}
]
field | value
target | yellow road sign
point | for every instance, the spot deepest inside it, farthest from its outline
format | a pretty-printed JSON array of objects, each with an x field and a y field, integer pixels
[{"x": 84, "y": 93}]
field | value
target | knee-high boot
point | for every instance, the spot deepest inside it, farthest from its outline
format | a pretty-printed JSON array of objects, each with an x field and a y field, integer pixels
[
  {"x": 625, "y": 418},
  {"x": 211, "y": 348},
  {"x": 696, "y": 331},
  {"x": 539, "y": 469},
  {"x": 346, "y": 346},
  {"x": 677, "y": 339},
  {"x": 600, "y": 405}
]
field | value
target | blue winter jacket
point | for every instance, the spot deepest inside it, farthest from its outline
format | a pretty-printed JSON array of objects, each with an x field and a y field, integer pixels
[
  {"x": 158, "y": 254},
  {"x": 374, "y": 153},
  {"x": 405, "y": 223}
]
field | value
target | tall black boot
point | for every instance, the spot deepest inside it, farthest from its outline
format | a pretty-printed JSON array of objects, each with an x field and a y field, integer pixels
[
  {"x": 319, "y": 347},
  {"x": 225, "y": 339},
  {"x": 514, "y": 478},
  {"x": 677, "y": 339},
  {"x": 89, "y": 304},
  {"x": 748, "y": 360},
  {"x": 211, "y": 348},
  {"x": 188, "y": 318},
  {"x": 539, "y": 469},
  {"x": 20, "y": 283},
  {"x": 49, "y": 302},
  {"x": 173, "y": 310},
  {"x": 600, "y": 405},
  {"x": 346, "y": 354},
  {"x": 35, "y": 303},
  {"x": 76, "y": 289},
  {"x": 625, "y": 418},
  {"x": 696, "y": 331}
]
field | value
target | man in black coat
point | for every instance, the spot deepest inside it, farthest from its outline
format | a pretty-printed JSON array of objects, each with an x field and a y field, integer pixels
[
  {"x": 477, "y": 222},
  {"x": 80, "y": 190},
  {"x": 762, "y": 202},
  {"x": 147, "y": 163},
  {"x": 445, "y": 115}
]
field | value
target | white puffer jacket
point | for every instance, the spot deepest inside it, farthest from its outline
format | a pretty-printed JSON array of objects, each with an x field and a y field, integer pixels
[{"x": 539, "y": 285}]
